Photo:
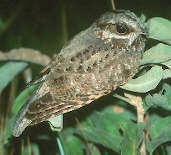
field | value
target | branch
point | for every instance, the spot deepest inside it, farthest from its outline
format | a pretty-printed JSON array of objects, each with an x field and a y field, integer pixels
[
  {"x": 25, "y": 54},
  {"x": 113, "y": 5},
  {"x": 137, "y": 102}
]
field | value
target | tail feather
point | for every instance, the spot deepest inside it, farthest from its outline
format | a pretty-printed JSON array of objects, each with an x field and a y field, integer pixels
[{"x": 21, "y": 122}]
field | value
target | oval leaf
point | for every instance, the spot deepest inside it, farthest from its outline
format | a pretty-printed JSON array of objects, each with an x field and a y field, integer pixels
[
  {"x": 166, "y": 74},
  {"x": 160, "y": 133},
  {"x": 146, "y": 82},
  {"x": 21, "y": 99},
  {"x": 157, "y": 54},
  {"x": 159, "y": 28},
  {"x": 168, "y": 64},
  {"x": 9, "y": 71},
  {"x": 100, "y": 136}
]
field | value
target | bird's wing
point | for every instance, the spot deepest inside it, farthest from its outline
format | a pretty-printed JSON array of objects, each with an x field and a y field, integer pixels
[
  {"x": 45, "y": 102},
  {"x": 40, "y": 108}
]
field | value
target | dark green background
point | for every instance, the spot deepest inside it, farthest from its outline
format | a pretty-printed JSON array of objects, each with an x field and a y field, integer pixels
[{"x": 38, "y": 23}]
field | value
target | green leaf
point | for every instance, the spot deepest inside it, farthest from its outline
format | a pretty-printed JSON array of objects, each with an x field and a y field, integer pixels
[
  {"x": 8, "y": 133},
  {"x": 21, "y": 99},
  {"x": 157, "y": 54},
  {"x": 100, "y": 136},
  {"x": 105, "y": 121},
  {"x": 71, "y": 144},
  {"x": 159, "y": 28},
  {"x": 94, "y": 149},
  {"x": 166, "y": 74},
  {"x": 167, "y": 63},
  {"x": 74, "y": 145},
  {"x": 106, "y": 128},
  {"x": 31, "y": 149},
  {"x": 160, "y": 132},
  {"x": 140, "y": 133},
  {"x": 168, "y": 148},
  {"x": 146, "y": 82},
  {"x": 157, "y": 126},
  {"x": 127, "y": 110},
  {"x": 129, "y": 142},
  {"x": 158, "y": 100},
  {"x": 9, "y": 71},
  {"x": 143, "y": 18},
  {"x": 167, "y": 92}
]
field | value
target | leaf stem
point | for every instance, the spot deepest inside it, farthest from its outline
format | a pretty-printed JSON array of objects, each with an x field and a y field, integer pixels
[
  {"x": 137, "y": 102},
  {"x": 60, "y": 146}
]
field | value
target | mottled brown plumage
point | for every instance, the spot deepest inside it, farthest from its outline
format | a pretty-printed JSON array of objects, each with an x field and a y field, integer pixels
[{"x": 92, "y": 64}]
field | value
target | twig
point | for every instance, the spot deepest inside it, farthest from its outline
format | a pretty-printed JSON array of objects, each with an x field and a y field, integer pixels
[
  {"x": 146, "y": 120},
  {"x": 137, "y": 102},
  {"x": 113, "y": 5},
  {"x": 25, "y": 54},
  {"x": 122, "y": 98},
  {"x": 84, "y": 137},
  {"x": 28, "y": 145},
  {"x": 64, "y": 21},
  {"x": 10, "y": 101},
  {"x": 60, "y": 146},
  {"x": 22, "y": 146}
]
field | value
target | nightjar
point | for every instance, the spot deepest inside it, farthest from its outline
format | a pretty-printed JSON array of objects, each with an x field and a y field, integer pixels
[{"x": 94, "y": 63}]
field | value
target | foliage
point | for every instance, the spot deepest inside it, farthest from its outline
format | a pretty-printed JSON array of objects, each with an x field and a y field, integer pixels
[{"x": 109, "y": 126}]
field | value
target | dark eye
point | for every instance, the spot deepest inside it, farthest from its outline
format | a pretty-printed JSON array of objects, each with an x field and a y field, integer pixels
[{"x": 122, "y": 28}]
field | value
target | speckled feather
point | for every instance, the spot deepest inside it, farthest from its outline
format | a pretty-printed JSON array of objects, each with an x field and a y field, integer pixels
[{"x": 94, "y": 63}]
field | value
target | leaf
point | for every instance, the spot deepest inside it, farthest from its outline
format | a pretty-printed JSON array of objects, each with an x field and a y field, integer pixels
[
  {"x": 166, "y": 74},
  {"x": 167, "y": 92},
  {"x": 70, "y": 143},
  {"x": 167, "y": 63},
  {"x": 31, "y": 149},
  {"x": 56, "y": 123},
  {"x": 158, "y": 100},
  {"x": 95, "y": 150},
  {"x": 8, "y": 132},
  {"x": 9, "y": 71},
  {"x": 105, "y": 121},
  {"x": 162, "y": 128},
  {"x": 157, "y": 54},
  {"x": 21, "y": 99},
  {"x": 106, "y": 128},
  {"x": 157, "y": 126},
  {"x": 74, "y": 145},
  {"x": 159, "y": 29},
  {"x": 143, "y": 18},
  {"x": 146, "y": 82},
  {"x": 129, "y": 142},
  {"x": 126, "y": 110},
  {"x": 100, "y": 136},
  {"x": 168, "y": 148},
  {"x": 140, "y": 133}
]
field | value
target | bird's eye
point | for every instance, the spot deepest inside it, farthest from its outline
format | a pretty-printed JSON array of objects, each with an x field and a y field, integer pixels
[{"x": 122, "y": 28}]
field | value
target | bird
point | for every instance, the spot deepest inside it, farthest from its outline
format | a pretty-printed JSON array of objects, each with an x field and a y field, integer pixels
[{"x": 94, "y": 63}]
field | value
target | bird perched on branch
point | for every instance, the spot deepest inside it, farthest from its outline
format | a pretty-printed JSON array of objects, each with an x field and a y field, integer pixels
[{"x": 94, "y": 63}]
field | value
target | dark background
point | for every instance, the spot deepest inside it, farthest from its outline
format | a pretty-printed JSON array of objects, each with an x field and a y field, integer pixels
[{"x": 40, "y": 24}]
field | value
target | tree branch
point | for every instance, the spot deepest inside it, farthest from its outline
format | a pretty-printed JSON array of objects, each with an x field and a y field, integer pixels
[
  {"x": 137, "y": 102},
  {"x": 25, "y": 54}
]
